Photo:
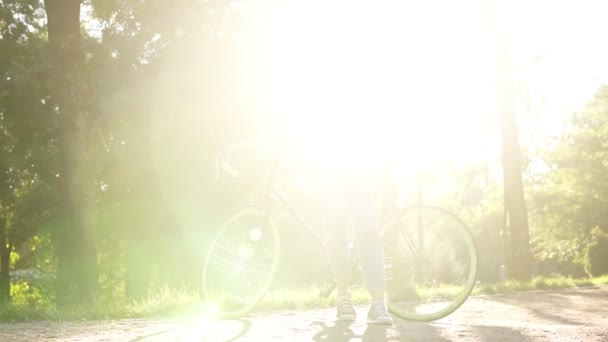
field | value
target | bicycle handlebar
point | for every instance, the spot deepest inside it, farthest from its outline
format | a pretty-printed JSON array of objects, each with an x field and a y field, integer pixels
[
  {"x": 223, "y": 159},
  {"x": 222, "y": 165}
]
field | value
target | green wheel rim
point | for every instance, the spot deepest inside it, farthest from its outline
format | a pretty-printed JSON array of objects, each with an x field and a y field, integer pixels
[{"x": 468, "y": 284}]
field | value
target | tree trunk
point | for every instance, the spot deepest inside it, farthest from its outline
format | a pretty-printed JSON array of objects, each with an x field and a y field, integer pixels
[
  {"x": 516, "y": 232},
  {"x": 516, "y": 213},
  {"x": 5, "y": 262},
  {"x": 71, "y": 89},
  {"x": 519, "y": 257}
]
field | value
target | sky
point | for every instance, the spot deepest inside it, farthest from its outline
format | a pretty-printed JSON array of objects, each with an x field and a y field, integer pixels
[
  {"x": 426, "y": 63},
  {"x": 558, "y": 48},
  {"x": 419, "y": 70}
]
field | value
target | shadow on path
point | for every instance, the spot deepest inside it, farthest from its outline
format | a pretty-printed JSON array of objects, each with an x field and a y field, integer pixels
[
  {"x": 246, "y": 326},
  {"x": 591, "y": 291},
  {"x": 494, "y": 333},
  {"x": 399, "y": 331},
  {"x": 552, "y": 307},
  {"x": 416, "y": 331},
  {"x": 162, "y": 332},
  {"x": 375, "y": 333},
  {"x": 193, "y": 332},
  {"x": 340, "y": 331}
]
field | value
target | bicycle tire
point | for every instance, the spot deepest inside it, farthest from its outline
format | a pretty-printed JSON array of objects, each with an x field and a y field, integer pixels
[
  {"x": 241, "y": 262},
  {"x": 431, "y": 263}
]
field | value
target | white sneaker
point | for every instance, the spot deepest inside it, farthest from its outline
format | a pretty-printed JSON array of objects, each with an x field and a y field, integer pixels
[
  {"x": 345, "y": 309},
  {"x": 378, "y": 314}
]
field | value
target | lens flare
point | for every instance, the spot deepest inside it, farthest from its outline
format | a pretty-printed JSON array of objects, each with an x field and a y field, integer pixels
[{"x": 256, "y": 234}]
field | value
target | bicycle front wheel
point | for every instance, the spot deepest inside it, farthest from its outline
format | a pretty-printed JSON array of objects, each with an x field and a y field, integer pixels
[
  {"x": 431, "y": 263},
  {"x": 241, "y": 262}
]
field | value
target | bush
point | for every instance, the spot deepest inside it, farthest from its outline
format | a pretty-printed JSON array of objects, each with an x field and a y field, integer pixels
[{"x": 596, "y": 254}]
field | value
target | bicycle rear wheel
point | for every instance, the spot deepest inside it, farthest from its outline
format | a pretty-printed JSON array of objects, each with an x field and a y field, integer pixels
[
  {"x": 431, "y": 263},
  {"x": 241, "y": 262}
]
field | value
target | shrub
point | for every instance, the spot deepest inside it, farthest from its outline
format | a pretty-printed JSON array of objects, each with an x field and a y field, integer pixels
[{"x": 596, "y": 254}]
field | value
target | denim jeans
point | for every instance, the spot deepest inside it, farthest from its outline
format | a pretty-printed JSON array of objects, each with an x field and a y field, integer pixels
[{"x": 347, "y": 203}]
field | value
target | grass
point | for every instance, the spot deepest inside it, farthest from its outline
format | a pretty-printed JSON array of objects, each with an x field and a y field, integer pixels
[
  {"x": 305, "y": 298},
  {"x": 183, "y": 303},
  {"x": 538, "y": 283},
  {"x": 308, "y": 297},
  {"x": 163, "y": 302}
]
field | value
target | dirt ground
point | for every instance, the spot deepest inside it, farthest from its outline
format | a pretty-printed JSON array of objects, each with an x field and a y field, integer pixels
[{"x": 559, "y": 315}]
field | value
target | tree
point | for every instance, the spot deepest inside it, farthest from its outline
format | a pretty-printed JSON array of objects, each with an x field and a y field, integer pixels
[
  {"x": 569, "y": 205},
  {"x": 515, "y": 210},
  {"x": 519, "y": 256},
  {"x": 163, "y": 90},
  {"x": 73, "y": 94},
  {"x": 26, "y": 152}
]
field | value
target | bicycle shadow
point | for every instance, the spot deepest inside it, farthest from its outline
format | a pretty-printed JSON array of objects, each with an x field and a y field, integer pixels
[
  {"x": 245, "y": 327},
  {"x": 339, "y": 331},
  {"x": 400, "y": 330},
  {"x": 193, "y": 332},
  {"x": 160, "y": 333},
  {"x": 375, "y": 333}
]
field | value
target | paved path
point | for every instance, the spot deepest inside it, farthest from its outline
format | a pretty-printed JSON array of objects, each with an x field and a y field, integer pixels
[{"x": 563, "y": 315}]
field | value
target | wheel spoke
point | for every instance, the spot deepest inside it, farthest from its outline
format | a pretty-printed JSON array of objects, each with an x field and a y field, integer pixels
[
  {"x": 226, "y": 246},
  {"x": 432, "y": 266},
  {"x": 219, "y": 260},
  {"x": 241, "y": 261},
  {"x": 409, "y": 241}
]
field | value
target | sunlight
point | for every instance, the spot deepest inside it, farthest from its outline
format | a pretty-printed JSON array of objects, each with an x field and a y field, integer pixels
[
  {"x": 211, "y": 311},
  {"x": 256, "y": 234},
  {"x": 245, "y": 252},
  {"x": 375, "y": 82},
  {"x": 556, "y": 55}
]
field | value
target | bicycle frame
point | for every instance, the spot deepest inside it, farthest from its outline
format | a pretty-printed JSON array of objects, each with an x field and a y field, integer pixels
[
  {"x": 270, "y": 198},
  {"x": 273, "y": 192}
]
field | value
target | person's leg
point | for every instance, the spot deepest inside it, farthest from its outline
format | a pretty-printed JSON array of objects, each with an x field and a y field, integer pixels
[
  {"x": 338, "y": 251},
  {"x": 339, "y": 261},
  {"x": 366, "y": 223}
]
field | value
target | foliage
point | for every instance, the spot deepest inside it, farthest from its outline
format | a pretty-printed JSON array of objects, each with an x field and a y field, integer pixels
[
  {"x": 569, "y": 201},
  {"x": 596, "y": 254},
  {"x": 27, "y": 151},
  {"x": 24, "y": 294},
  {"x": 473, "y": 194}
]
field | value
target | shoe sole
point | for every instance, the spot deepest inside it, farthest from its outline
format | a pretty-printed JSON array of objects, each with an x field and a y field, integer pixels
[
  {"x": 380, "y": 321},
  {"x": 346, "y": 319}
]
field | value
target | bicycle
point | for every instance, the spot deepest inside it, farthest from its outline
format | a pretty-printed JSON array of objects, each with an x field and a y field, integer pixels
[{"x": 430, "y": 255}]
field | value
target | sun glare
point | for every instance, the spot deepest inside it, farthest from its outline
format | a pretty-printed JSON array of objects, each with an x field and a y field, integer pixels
[
  {"x": 415, "y": 81},
  {"x": 383, "y": 79}
]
